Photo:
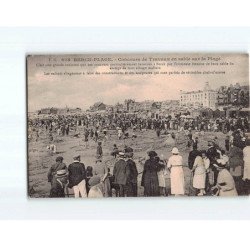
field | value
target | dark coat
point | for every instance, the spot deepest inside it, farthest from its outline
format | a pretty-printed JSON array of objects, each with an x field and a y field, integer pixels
[
  {"x": 150, "y": 178},
  {"x": 133, "y": 173},
  {"x": 99, "y": 150},
  {"x": 77, "y": 173},
  {"x": 121, "y": 172},
  {"x": 211, "y": 153},
  {"x": 57, "y": 188},
  {"x": 191, "y": 157}
]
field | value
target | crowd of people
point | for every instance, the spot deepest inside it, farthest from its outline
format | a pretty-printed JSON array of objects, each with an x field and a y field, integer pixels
[
  {"x": 217, "y": 171},
  {"x": 97, "y": 125},
  {"x": 214, "y": 171}
]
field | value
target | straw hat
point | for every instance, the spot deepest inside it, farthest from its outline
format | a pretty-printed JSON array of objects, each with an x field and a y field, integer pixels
[
  {"x": 121, "y": 154},
  {"x": 61, "y": 173}
]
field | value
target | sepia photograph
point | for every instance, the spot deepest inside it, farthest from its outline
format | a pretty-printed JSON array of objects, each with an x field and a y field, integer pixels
[{"x": 138, "y": 125}]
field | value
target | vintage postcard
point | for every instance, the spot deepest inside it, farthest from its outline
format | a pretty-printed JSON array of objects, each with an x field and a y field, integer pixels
[{"x": 138, "y": 125}]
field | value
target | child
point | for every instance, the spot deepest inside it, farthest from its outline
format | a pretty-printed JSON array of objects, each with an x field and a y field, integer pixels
[
  {"x": 105, "y": 134},
  {"x": 96, "y": 135},
  {"x": 209, "y": 173},
  {"x": 115, "y": 151},
  {"x": 91, "y": 133},
  {"x": 86, "y": 139},
  {"x": 199, "y": 179},
  {"x": 99, "y": 152},
  {"x": 161, "y": 177}
]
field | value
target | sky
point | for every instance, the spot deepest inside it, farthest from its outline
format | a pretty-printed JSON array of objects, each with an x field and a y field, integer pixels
[{"x": 47, "y": 90}]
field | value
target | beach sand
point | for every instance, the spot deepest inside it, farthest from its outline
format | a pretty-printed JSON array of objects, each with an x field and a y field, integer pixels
[{"x": 40, "y": 159}]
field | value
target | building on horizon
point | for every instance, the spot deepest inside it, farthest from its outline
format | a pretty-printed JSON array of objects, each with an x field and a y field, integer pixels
[
  {"x": 206, "y": 98},
  {"x": 48, "y": 111}
]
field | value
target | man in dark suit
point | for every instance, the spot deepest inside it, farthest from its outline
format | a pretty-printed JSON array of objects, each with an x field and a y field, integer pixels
[
  {"x": 77, "y": 177},
  {"x": 192, "y": 155},
  {"x": 121, "y": 173},
  {"x": 133, "y": 173},
  {"x": 211, "y": 155}
]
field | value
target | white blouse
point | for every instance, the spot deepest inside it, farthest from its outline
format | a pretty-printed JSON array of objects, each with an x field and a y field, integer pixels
[{"x": 175, "y": 160}]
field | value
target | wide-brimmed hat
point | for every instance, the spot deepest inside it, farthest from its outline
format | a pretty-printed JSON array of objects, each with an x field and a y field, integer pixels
[
  {"x": 152, "y": 154},
  {"x": 175, "y": 151},
  {"x": 61, "y": 173}
]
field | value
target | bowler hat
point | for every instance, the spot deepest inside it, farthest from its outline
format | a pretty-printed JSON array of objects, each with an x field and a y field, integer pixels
[
  {"x": 152, "y": 154},
  {"x": 59, "y": 158}
]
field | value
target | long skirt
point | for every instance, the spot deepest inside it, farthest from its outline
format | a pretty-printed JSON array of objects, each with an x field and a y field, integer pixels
[
  {"x": 199, "y": 180},
  {"x": 151, "y": 186},
  {"x": 95, "y": 192},
  {"x": 161, "y": 179},
  {"x": 177, "y": 180}
]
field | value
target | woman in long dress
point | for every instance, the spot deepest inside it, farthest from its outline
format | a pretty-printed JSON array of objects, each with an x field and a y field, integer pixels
[
  {"x": 149, "y": 176},
  {"x": 175, "y": 165},
  {"x": 161, "y": 177},
  {"x": 199, "y": 170},
  {"x": 225, "y": 183},
  {"x": 103, "y": 171}
]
